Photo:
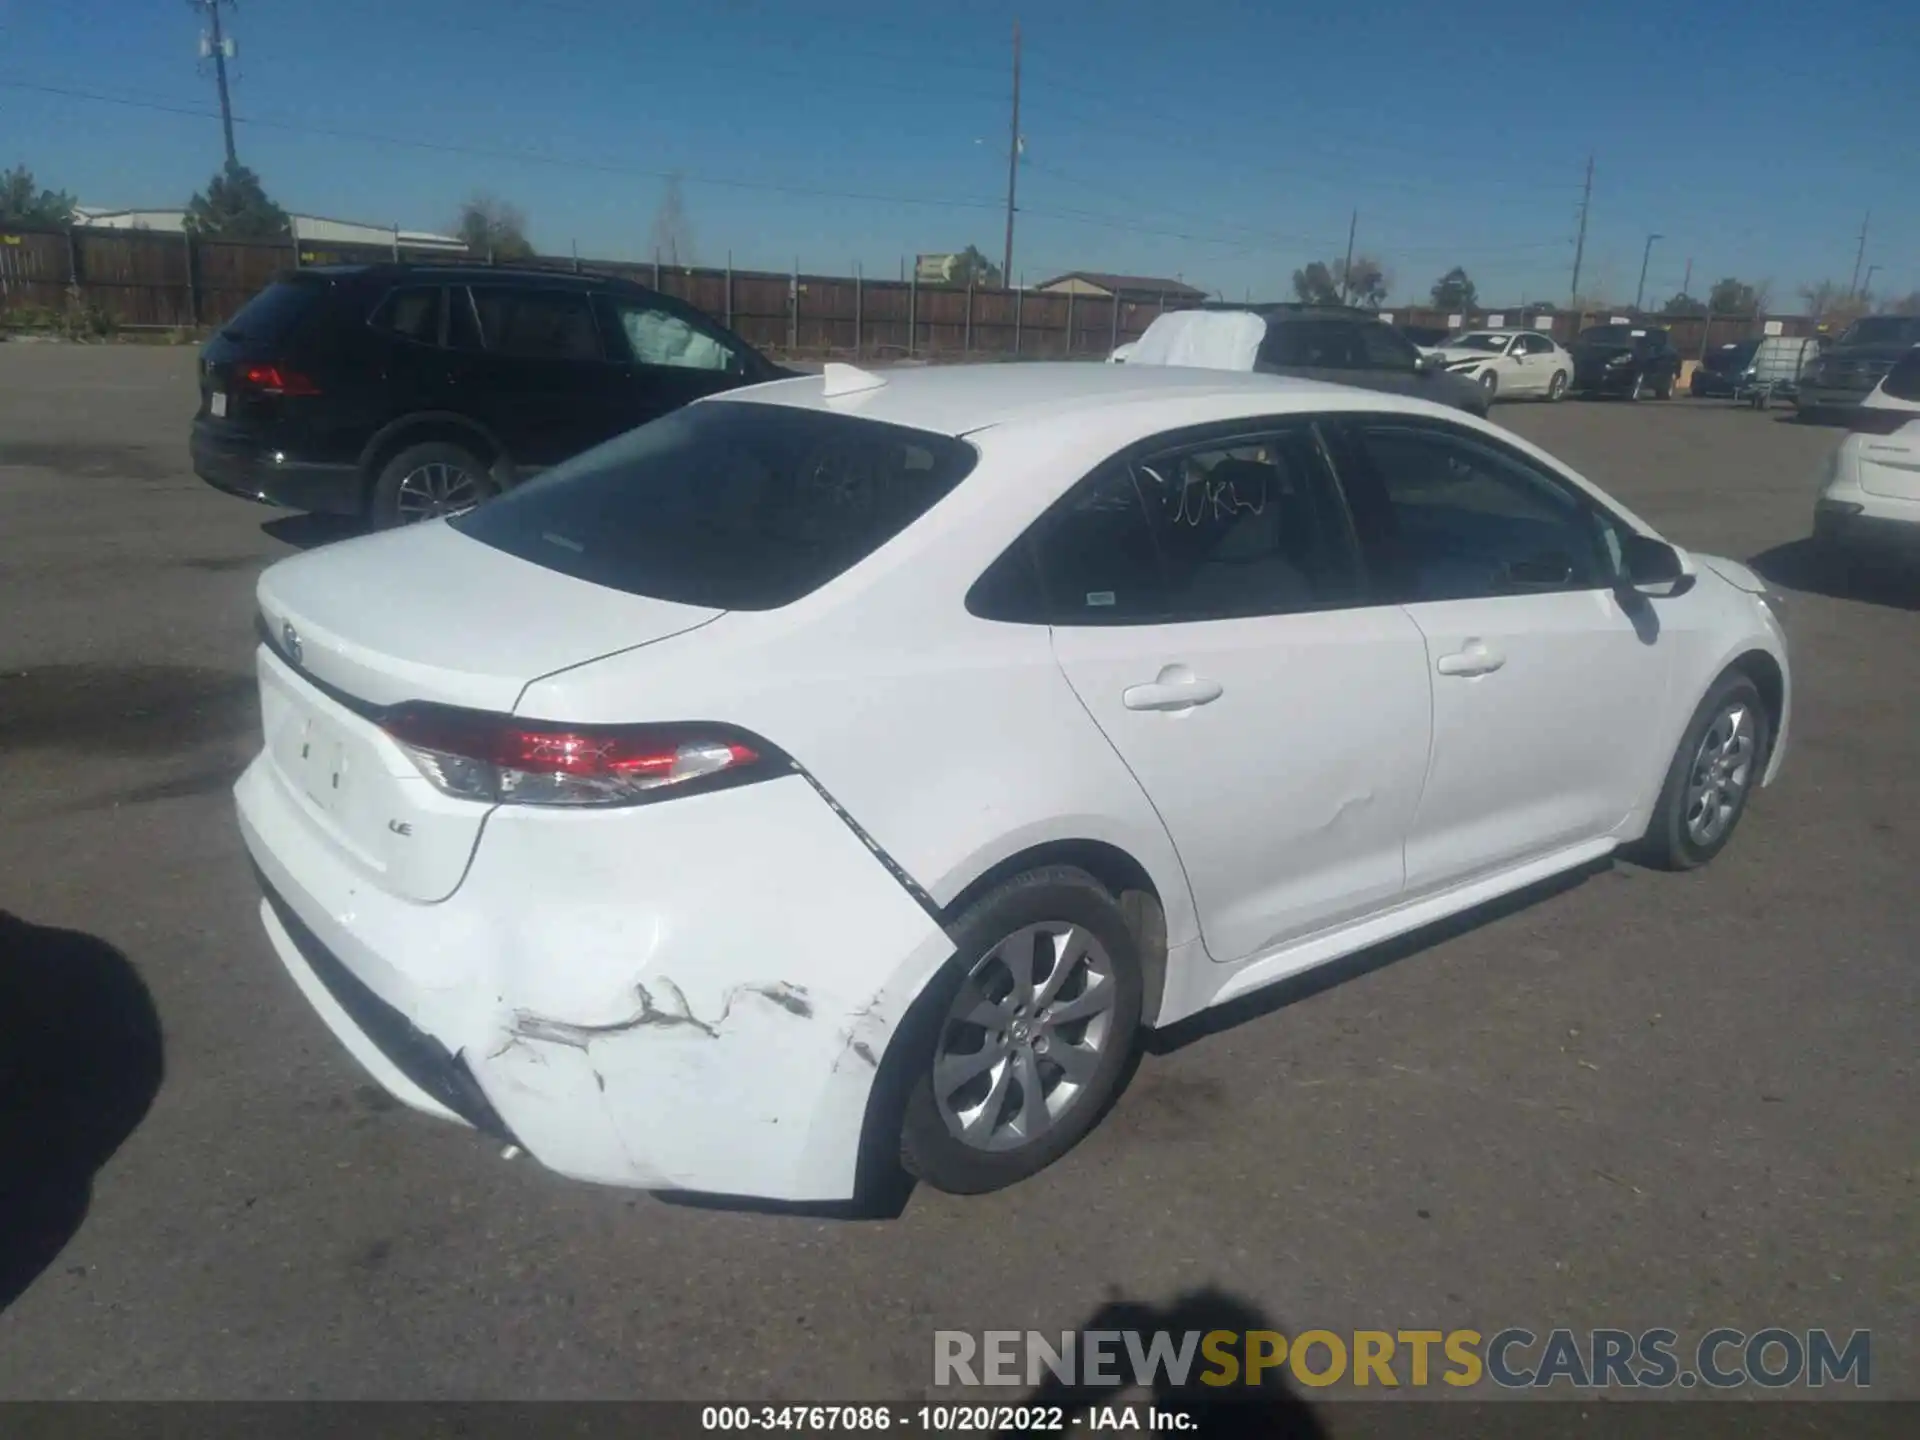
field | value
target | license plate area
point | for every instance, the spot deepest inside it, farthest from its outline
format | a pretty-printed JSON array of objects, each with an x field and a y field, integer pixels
[{"x": 217, "y": 404}]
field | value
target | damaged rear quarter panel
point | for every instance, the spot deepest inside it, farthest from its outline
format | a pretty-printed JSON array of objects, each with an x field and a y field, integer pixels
[{"x": 695, "y": 994}]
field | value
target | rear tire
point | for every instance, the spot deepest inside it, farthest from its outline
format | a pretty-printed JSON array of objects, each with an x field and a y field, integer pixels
[
  {"x": 1711, "y": 778},
  {"x": 996, "y": 1098},
  {"x": 1557, "y": 386},
  {"x": 1665, "y": 392},
  {"x": 428, "y": 481}
]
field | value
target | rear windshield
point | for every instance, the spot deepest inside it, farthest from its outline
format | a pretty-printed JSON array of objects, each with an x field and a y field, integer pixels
[
  {"x": 732, "y": 505},
  {"x": 275, "y": 311},
  {"x": 1883, "y": 330}
]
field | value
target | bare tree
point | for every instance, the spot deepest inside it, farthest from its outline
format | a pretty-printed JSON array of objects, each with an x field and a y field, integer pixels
[{"x": 672, "y": 231}]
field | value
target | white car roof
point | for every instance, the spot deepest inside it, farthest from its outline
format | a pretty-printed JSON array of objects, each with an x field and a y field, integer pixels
[{"x": 961, "y": 399}]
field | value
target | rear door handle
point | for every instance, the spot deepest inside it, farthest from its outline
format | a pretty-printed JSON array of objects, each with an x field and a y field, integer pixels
[
  {"x": 1475, "y": 659},
  {"x": 1175, "y": 688}
]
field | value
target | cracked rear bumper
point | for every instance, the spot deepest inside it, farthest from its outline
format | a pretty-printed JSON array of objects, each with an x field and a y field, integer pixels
[{"x": 690, "y": 996}]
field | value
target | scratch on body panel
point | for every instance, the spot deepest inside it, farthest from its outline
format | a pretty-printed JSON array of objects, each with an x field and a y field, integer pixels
[{"x": 791, "y": 998}]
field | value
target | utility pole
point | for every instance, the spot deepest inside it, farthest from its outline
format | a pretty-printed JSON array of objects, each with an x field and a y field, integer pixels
[
  {"x": 1580, "y": 245},
  {"x": 1013, "y": 162},
  {"x": 1866, "y": 288},
  {"x": 1686, "y": 285},
  {"x": 1853, "y": 286},
  {"x": 1346, "y": 269},
  {"x": 1640, "y": 294},
  {"x": 219, "y": 48}
]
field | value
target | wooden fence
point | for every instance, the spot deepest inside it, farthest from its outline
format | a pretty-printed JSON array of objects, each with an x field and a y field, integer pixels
[{"x": 141, "y": 279}]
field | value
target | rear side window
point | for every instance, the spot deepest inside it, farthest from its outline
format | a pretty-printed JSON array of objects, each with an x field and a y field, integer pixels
[
  {"x": 277, "y": 311},
  {"x": 541, "y": 324},
  {"x": 412, "y": 313},
  {"x": 1903, "y": 381},
  {"x": 724, "y": 504}
]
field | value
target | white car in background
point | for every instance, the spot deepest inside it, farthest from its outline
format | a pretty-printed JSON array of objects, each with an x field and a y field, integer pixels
[
  {"x": 1870, "y": 499},
  {"x": 842, "y": 772},
  {"x": 1510, "y": 364}
]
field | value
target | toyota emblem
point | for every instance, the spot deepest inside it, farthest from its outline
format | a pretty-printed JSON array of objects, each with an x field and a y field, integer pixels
[{"x": 290, "y": 641}]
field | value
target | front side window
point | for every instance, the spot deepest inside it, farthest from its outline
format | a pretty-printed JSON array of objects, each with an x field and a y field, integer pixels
[
  {"x": 1212, "y": 531},
  {"x": 1534, "y": 345},
  {"x": 1883, "y": 330},
  {"x": 539, "y": 324},
  {"x": 1447, "y": 516},
  {"x": 1314, "y": 344},
  {"x": 1381, "y": 349},
  {"x": 659, "y": 336},
  {"x": 724, "y": 504}
]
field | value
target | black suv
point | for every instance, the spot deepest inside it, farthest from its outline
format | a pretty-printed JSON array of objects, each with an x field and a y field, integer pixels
[
  {"x": 1347, "y": 346},
  {"x": 405, "y": 392},
  {"x": 1842, "y": 377},
  {"x": 1629, "y": 360}
]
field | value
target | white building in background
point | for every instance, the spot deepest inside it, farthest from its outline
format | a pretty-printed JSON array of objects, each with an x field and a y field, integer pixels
[{"x": 307, "y": 229}]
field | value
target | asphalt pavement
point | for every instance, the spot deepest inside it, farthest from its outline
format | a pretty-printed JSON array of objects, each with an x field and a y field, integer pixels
[{"x": 1637, "y": 1100}]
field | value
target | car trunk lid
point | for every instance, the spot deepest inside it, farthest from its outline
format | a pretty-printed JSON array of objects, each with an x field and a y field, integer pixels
[
  {"x": 1890, "y": 465},
  {"x": 423, "y": 614}
]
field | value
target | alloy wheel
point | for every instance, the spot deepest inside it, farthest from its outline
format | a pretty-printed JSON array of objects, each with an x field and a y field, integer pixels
[
  {"x": 1025, "y": 1035},
  {"x": 1721, "y": 772},
  {"x": 436, "y": 490}
]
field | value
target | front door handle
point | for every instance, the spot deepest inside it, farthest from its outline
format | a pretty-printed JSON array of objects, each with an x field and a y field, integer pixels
[
  {"x": 1475, "y": 659},
  {"x": 1174, "y": 688}
]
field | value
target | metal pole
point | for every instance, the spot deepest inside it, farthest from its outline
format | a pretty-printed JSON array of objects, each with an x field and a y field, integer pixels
[
  {"x": 293, "y": 229},
  {"x": 576, "y": 255},
  {"x": 1113, "y": 329},
  {"x": 1069, "y": 350},
  {"x": 656, "y": 267},
  {"x": 793, "y": 308},
  {"x": 913, "y": 306},
  {"x": 1347, "y": 266},
  {"x": 1013, "y": 159},
  {"x": 220, "y": 77},
  {"x": 1640, "y": 292},
  {"x": 396, "y": 242},
  {"x": 859, "y": 318},
  {"x": 966, "y": 335},
  {"x": 729, "y": 289},
  {"x": 1580, "y": 245},
  {"x": 73, "y": 262},
  {"x": 1706, "y": 329},
  {"x": 1019, "y": 295},
  {"x": 1859, "y": 255},
  {"x": 1686, "y": 285}
]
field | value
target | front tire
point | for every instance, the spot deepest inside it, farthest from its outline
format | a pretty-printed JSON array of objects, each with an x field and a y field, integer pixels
[
  {"x": 1711, "y": 778},
  {"x": 1033, "y": 1024},
  {"x": 1557, "y": 386},
  {"x": 427, "y": 482},
  {"x": 1490, "y": 383}
]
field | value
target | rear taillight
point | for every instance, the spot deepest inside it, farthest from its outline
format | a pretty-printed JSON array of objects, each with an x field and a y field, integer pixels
[
  {"x": 276, "y": 380},
  {"x": 504, "y": 760}
]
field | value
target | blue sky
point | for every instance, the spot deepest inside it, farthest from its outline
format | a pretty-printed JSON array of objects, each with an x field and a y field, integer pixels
[{"x": 1224, "y": 143}]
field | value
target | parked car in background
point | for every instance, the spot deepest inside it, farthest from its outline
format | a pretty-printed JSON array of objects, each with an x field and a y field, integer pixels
[
  {"x": 1840, "y": 379},
  {"x": 1509, "y": 364},
  {"x": 401, "y": 393},
  {"x": 1333, "y": 343},
  {"x": 1718, "y": 373},
  {"x": 1633, "y": 361},
  {"x": 1892, "y": 403},
  {"x": 1121, "y": 352},
  {"x": 1172, "y": 684}
]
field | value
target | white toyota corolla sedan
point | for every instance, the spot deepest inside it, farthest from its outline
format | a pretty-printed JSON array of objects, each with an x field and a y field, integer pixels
[{"x": 843, "y": 772}]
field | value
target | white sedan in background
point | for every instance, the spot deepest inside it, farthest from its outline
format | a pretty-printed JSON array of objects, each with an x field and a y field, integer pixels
[
  {"x": 840, "y": 774},
  {"x": 1869, "y": 502},
  {"x": 1510, "y": 364}
]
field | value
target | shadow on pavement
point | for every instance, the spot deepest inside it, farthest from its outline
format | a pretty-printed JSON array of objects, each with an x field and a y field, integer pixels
[
  {"x": 1362, "y": 962},
  {"x": 1267, "y": 1407},
  {"x": 309, "y": 532},
  {"x": 1803, "y": 566},
  {"x": 80, "y": 1062}
]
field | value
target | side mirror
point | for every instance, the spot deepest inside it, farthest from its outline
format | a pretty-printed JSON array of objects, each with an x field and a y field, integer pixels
[{"x": 1652, "y": 567}]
